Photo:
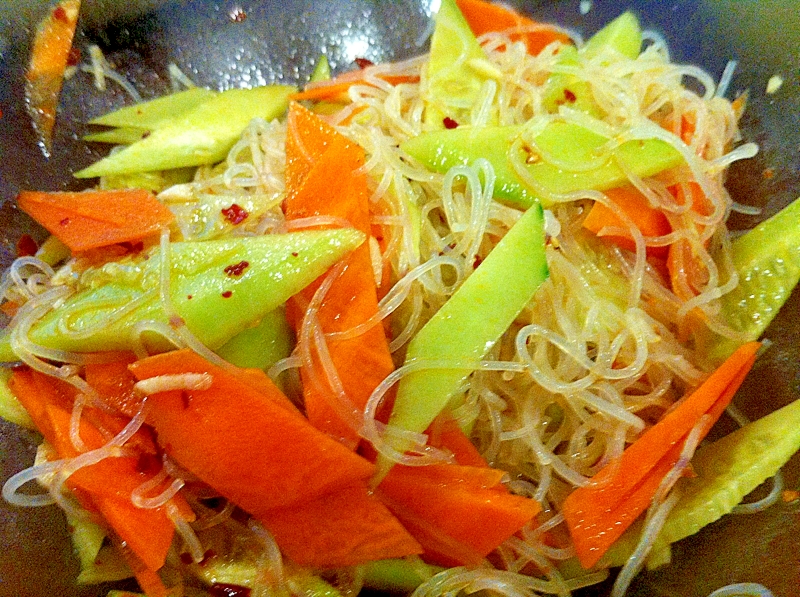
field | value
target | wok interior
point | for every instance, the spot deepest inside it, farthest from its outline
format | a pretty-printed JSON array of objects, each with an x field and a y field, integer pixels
[{"x": 279, "y": 41}]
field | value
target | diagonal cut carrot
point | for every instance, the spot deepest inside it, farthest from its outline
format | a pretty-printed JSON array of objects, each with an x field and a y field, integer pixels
[
  {"x": 49, "y": 58},
  {"x": 335, "y": 88},
  {"x": 598, "y": 513},
  {"x": 240, "y": 441},
  {"x": 456, "y": 512},
  {"x": 94, "y": 219},
  {"x": 347, "y": 527},
  {"x": 322, "y": 179},
  {"x": 107, "y": 485},
  {"x": 484, "y": 17}
]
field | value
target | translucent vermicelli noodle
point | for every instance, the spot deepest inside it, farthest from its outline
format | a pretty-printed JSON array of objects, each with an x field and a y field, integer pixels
[{"x": 610, "y": 343}]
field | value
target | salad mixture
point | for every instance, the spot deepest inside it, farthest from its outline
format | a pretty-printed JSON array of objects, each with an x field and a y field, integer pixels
[{"x": 450, "y": 324}]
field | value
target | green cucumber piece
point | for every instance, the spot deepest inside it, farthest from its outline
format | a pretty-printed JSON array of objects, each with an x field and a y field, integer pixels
[
  {"x": 10, "y": 408},
  {"x": 322, "y": 70},
  {"x": 623, "y": 34},
  {"x": 262, "y": 345},
  {"x": 567, "y": 142},
  {"x": 155, "y": 113},
  {"x": 730, "y": 468},
  {"x": 471, "y": 321},
  {"x": 767, "y": 259},
  {"x": 397, "y": 575},
  {"x": 203, "y": 135},
  {"x": 568, "y": 89},
  {"x": 215, "y": 304},
  {"x": 453, "y": 82},
  {"x": 118, "y": 136}
]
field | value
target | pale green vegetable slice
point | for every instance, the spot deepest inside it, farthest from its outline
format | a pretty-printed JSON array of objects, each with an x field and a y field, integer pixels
[
  {"x": 322, "y": 70},
  {"x": 730, "y": 468},
  {"x": 260, "y": 346},
  {"x": 464, "y": 329},
  {"x": 767, "y": 259},
  {"x": 623, "y": 35},
  {"x": 155, "y": 113},
  {"x": 118, "y": 136},
  {"x": 204, "y": 135},
  {"x": 566, "y": 148},
  {"x": 219, "y": 288},
  {"x": 454, "y": 66}
]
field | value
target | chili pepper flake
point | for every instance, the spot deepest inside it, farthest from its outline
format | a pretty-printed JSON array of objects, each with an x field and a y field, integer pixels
[
  {"x": 449, "y": 123},
  {"x": 237, "y": 269},
  {"x": 227, "y": 294},
  {"x": 235, "y": 214}
]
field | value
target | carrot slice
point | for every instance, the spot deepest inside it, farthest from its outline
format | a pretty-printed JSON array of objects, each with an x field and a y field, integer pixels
[
  {"x": 651, "y": 221},
  {"x": 49, "y": 57},
  {"x": 456, "y": 512},
  {"x": 598, "y": 513},
  {"x": 114, "y": 384},
  {"x": 484, "y": 17},
  {"x": 336, "y": 88},
  {"x": 314, "y": 151},
  {"x": 347, "y": 527},
  {"x": 107, "y": 484},
  {"x": 445, "y": 433},
  {"x": 97, "y": 218},
  {"x": 239, "y": 441}
]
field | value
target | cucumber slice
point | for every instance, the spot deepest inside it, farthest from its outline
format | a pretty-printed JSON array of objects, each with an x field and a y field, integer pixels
[
  {"x": 623, "y": 35},
  {"x": 151, "y": 115},
  {"x": 730, "y": 468},
  {"x": 453, "y": 81},
  {"x": 767, "y": 259}
]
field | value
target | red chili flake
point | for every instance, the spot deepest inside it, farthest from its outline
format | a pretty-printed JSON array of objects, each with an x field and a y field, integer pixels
[
  {"x": 449, "y": 123},
  {"x": 225, "y": 590},
  {"x": 227, "y": 294},
  {"x": 148, "y": 463},
  {"x": 145, "y": 134},
  {"x": 186, "y": 399},
  {"x": 379, "y": 239},
  {"x": 235, "y": 214},
  {"x": 74, "y": 56},
  {"x": 477, "y": 261},
  {"x": 237, "y": 269},
  {"x": 186, "y": 558},
  {"x": 26, "y": 246},
  {"x": 189, "y": 296},
  {"x": 363, "y": 62},
  {"x": 59, "y": 14},
  {"x": 570, "y": 96},
  {"x": 209, "y": 555},
  {"x": 132, "y": 247},
  {"x": 295, "y": 253},
  {"x": 64, "y": 222},
  {"x": 238, "y": 15}
]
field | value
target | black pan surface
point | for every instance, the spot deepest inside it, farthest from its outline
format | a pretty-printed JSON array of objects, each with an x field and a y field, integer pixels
[{"x": 227, "y": 43}]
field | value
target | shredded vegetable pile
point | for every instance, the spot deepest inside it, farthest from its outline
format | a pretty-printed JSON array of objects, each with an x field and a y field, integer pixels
[{"x": 451, "y": 324}]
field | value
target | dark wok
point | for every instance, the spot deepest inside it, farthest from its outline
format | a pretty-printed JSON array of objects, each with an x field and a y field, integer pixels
[{"x": 279, "y": 41}]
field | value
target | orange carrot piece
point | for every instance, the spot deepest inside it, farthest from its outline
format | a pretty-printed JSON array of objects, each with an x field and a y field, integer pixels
[
  {"x": 333, "y": 89},
  {"x": 455, "y": 512},
  {"x": 49, "y": 57},
  {"x": 347, "y": 527},
  {"x": 314, "y": 152},
  {"x": 107, "y": 484},
  {"x": 651, "y": 221},
  {"x": 598, "y": 513},
  {"x": 9, "y": 308},
  {"x": 484, "y": 17},
  {"x": 445, "y": 433},
  {"x": 114, "y": 384},
  {"x": 94, "y": 219},
  {"x": 239, "y": 441}
]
